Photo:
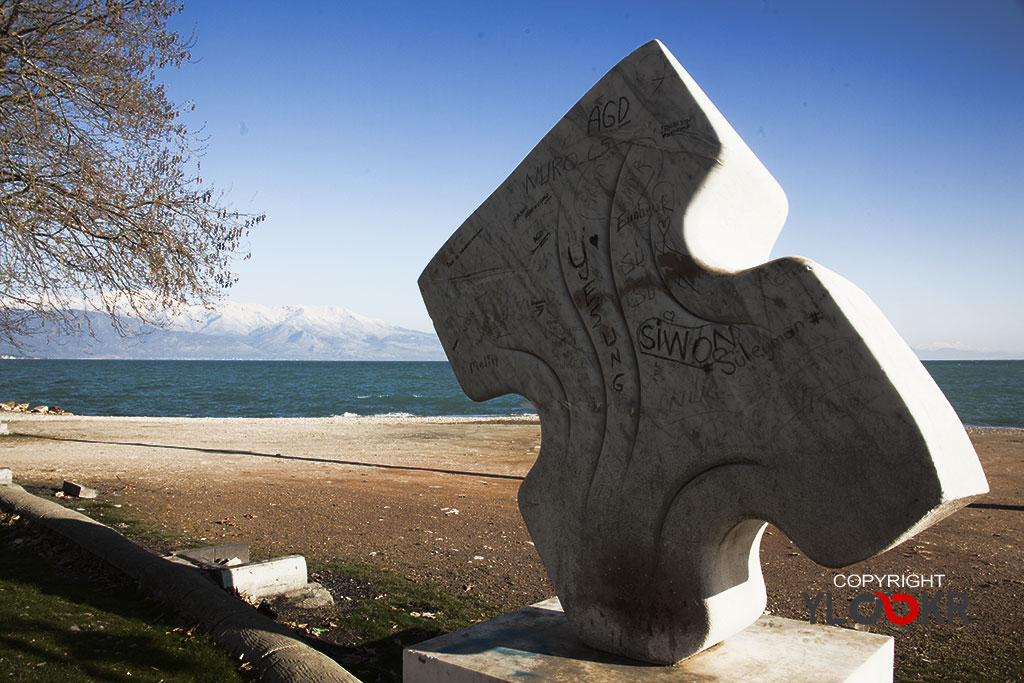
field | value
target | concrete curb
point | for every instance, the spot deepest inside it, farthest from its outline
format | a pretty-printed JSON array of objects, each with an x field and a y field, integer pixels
[{"x": 236, "y": 627}]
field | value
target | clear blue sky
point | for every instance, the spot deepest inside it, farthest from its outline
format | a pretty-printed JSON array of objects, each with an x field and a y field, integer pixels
[{"x": 369, "y": 131}]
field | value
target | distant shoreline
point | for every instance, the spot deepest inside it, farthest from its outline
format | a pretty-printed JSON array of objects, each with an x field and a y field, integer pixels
[
  {"x": 531, "y": 418},
  {"x": 343, "y": 420},
  {"x": 998, "y": 358},
  {"x": 233, "y": 360}
]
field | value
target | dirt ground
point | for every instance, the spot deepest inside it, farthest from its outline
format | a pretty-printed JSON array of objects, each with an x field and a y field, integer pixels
[{"x": 436, "y": 501}]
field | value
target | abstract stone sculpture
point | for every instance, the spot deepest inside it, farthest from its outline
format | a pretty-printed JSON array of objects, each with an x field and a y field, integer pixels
[{"x": 688, "y": 391}]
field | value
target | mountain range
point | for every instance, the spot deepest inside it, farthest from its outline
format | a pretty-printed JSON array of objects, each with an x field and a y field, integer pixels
[
  {"x": 960, "y": 353},
  {"x": 236, "y": 331}
]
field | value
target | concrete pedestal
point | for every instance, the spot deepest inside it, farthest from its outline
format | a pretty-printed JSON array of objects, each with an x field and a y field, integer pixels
[{"x": 537, "y": 643}]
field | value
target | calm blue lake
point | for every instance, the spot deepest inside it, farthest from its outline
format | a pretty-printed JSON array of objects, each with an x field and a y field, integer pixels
[{"x": 984, "y": 393}]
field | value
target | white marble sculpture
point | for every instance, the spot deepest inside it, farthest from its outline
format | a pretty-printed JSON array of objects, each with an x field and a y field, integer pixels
[{"x": 688, "y": 390}]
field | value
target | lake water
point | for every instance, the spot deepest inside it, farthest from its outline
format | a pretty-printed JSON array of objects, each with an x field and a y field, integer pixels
[{"x": 984, "y": 393}]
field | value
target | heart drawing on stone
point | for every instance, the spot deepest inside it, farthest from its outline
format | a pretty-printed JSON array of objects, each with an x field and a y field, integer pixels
[{"x": 689, "y": 390}]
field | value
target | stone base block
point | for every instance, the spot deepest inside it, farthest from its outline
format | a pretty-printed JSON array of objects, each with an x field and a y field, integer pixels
[{"x": 537, "y": 643}]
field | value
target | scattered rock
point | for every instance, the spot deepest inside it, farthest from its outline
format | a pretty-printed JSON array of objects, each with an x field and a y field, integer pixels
[
  {"x": 5, "y": 475},
  {"x": 313, "y": 596},
  {"x": 12, "y": 407},
  {"x": 74, "y": 490}
]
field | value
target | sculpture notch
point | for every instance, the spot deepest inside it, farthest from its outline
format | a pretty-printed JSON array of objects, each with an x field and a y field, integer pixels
[{"x": 688, "y": 391}]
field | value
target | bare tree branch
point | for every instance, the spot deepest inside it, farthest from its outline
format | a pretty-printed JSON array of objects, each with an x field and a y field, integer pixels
[{"x": 100, "y": 193}]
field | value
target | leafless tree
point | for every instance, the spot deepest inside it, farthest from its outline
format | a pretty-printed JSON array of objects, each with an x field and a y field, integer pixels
[{"x": 101, "y": 197}]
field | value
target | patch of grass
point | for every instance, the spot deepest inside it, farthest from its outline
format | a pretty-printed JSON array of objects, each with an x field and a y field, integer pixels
[
  {"x": 60, "y": 626},
  {"x": 119, "y": 516},
  {"x": 381, "y": 612},
  {"x": 146, "y": 534}
]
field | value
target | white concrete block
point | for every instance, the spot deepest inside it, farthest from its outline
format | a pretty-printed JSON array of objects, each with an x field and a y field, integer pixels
[
  {"x": 265, "y": 579},
  {"x": 537, "y": 643},
  {"x": 5, "y": 476}
]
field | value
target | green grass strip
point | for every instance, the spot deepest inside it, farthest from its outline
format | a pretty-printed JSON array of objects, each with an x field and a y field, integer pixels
[
  {"x": 55, "y": 627},
  {"x": 386, "y": 612}
]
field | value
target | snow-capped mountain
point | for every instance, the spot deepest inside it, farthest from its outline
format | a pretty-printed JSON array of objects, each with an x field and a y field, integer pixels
[{"x": 244, "y": 331}]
